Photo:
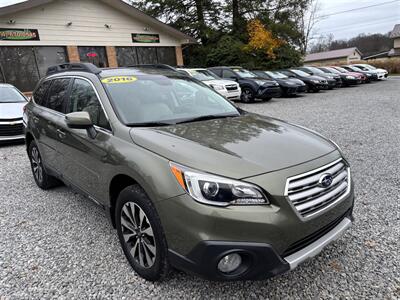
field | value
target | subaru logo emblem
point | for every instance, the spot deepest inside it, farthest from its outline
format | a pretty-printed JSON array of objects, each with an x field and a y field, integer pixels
[{"x": 325, "y": 180}]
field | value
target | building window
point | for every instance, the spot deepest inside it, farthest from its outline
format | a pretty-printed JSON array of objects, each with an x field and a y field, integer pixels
[
  {"x": 166, "y": 55},
  {"x": 128, "y": 56},
  {"x": 24, "y": 66},
  {"x": 94, "y": 55}
]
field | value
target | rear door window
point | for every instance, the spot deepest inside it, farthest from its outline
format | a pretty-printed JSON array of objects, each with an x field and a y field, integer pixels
[
  {"x": 39, "y": 96},
  {"x": 57, "y": 94}
]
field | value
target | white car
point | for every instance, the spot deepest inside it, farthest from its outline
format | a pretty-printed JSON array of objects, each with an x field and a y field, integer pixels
[
  {"x": 227, "y": 88},
  {"x": 381, "y": 73},
  {"x": 12, "y": 102}
]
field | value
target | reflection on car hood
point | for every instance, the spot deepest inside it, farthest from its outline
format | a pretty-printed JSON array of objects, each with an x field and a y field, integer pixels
[
  {"x": 236, "y": 147},
  {"x": 290, "y": 81},
  {"x": 11, "y": 110},
  {"x": 219, "y": 82}
]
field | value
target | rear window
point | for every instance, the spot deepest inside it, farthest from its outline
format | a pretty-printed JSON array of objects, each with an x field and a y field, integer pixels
[
  {"x": 39, "y": 96},
  {"x": 9, "y": 94}
]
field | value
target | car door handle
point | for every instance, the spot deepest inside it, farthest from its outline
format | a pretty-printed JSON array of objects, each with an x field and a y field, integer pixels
[{"x": 61, "y": 133}]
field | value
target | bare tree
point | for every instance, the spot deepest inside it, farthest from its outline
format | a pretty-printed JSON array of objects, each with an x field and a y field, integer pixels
[{"x": 308, "y": 18}]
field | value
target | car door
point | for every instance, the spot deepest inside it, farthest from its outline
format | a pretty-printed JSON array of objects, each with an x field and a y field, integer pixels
[
  {"x": 49, "y": 120},
  {"x": 85, "y": 155}
]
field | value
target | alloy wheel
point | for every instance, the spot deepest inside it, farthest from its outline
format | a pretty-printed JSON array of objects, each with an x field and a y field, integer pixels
[
  {"x": 138, "y": 235},
  {"x": 37, "y": 164},
  {"x": 247, "y": 95}
]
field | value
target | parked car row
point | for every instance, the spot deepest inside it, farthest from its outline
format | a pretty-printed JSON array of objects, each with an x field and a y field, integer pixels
[
  {"x": 237, "y": 83},
  {"x": 234, "y": 83}
]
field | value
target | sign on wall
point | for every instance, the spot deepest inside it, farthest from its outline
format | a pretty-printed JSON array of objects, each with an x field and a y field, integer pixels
[
  {"x": 11, "y": 34},
  {"x": 148, "y": 38}
]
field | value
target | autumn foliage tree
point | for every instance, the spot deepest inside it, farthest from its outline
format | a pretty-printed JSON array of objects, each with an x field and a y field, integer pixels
[{"x": 261, "y": 39}]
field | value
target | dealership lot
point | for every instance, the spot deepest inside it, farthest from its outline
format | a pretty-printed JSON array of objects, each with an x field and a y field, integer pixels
[{"x": 59, "y": 244}]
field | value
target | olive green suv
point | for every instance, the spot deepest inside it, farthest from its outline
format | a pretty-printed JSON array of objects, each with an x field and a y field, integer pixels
[{"x": 188, "y": 179}]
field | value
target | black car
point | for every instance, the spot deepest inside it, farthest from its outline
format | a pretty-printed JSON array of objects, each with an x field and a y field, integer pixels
[
  {"x": 314, "y": 83},
  {"x": 370, "y": 76},
  {"x": 347, "y": 79},
  {"x": 289, "y": 86},
  {"x": 252, "y": 85},
  {"x": 333, "y": 79}
]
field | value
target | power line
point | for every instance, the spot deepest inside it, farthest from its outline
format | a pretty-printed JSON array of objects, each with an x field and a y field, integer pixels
[
  {"x": 361, "y": 24},
  {"x": 358, "y": 8}
]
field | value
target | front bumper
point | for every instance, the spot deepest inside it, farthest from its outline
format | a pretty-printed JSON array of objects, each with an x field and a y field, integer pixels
[
  {"x": 269, "y": 92},
  {"x": 277, "y": 226},
  {"x": 12, "y": 138},
  {"x": 259, "y": 260},
  {"x": 231, "y": 95}
]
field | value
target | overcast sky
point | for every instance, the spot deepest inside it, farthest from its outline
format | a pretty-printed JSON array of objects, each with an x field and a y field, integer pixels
[
  {"x": 343, "y": 25},
  {"x": 375, "y": 19}
]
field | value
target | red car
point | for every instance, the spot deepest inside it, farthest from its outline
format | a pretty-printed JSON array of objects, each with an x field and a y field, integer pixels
[{"x": 361, "y": 78}]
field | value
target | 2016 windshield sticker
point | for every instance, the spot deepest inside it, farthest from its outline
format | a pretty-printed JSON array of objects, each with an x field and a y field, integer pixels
[{"x": 118, "y": 79}]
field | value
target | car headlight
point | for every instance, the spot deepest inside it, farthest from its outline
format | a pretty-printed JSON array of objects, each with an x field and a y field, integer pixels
[
  {"x": 350, "y": 77},
  {"x": 215, "y": 190},
  {"x": 315, "y": 81},
  {"x": 217, "y": 87}
]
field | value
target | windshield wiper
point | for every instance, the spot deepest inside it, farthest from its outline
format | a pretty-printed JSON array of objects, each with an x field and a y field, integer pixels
[
  {"x": 149, "y": 124},
  {"x": 206, "y": 117}
]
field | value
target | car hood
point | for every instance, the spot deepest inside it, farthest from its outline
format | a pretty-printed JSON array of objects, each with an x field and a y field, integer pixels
[
  {"x": 235, "y": 147},
  {"x": 219, "y": 82},
  {"x": 355, "y": 74},
  {"x": 11, "y": 110},
  {"x": 290, "y": 81},
  {"x": 315, "y": 77}
]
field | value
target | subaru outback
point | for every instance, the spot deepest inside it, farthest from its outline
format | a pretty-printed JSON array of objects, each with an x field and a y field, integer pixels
[{"x": 188, "y": 179}]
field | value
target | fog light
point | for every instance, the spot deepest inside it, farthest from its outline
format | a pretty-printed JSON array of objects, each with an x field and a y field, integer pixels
[{"x": 229, "y": 263}]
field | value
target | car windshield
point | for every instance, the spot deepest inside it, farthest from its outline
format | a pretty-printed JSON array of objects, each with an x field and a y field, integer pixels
[
  {"x": 341, "y": 69},
  {"x": 355, "y": 69},
  {"x": 10, "y": 95},
  {"x": 245, "y": 73},
  {"x": 315, "y": 70},
  {"x": 200, "y": 75},
  {"x": 208, "y": 74},
  {"x": 276, "y": 75},
  {"x": 331, "y": 70},
  {"x": 151, "y": 100},
  {"x": 370, "y": 67},
  {"x": 300, "y": 73}
]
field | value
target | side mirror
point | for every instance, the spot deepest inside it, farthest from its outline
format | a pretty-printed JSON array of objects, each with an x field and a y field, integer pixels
[
  {"x": 78, "y": 120},
  {"x": 234, "y": 78},
  {"x": 81, "y": 120}
]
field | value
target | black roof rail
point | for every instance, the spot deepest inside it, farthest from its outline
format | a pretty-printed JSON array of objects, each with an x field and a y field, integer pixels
[
  {"x": 154, "y": 66},
  {"x": 80, "y": 67}
]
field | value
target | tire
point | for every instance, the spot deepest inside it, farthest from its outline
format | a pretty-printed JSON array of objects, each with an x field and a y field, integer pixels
[
  {"x": 42, "y": 178},
  {"x": 141, "y": 235},
  {"x": 247, "y": 95}
]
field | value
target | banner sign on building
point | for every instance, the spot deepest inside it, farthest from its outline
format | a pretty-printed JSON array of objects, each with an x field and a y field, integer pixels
[
  {"x": 145, "y": 38},
  {"x": 11, "y": 34}
]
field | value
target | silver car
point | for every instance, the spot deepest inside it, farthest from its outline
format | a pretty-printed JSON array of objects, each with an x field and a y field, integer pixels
[{"x": 12, "y": 102}]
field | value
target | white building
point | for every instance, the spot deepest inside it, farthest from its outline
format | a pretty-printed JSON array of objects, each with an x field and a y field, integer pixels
[{"x": 109, "y": 33}]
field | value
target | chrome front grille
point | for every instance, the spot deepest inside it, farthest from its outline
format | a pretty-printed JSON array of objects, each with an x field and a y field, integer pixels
[
  {"x": 231, "y": 87},
  {"x": 309, "y": 196}
]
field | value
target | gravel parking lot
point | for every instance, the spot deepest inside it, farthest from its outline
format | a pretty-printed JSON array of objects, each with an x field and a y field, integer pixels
[{"x": 57, "y": 244}]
